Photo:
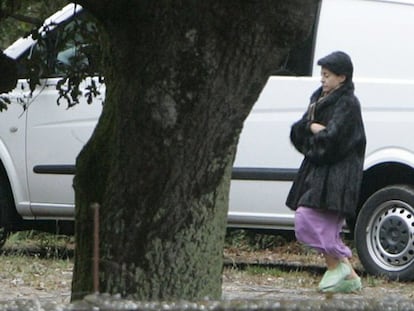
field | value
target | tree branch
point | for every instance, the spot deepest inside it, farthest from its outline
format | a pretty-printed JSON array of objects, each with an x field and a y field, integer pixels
[{"x": 27, "y": 19}]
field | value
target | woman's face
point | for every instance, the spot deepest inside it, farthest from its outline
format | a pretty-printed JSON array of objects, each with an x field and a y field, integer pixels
[{"x": 330, "y": 80}]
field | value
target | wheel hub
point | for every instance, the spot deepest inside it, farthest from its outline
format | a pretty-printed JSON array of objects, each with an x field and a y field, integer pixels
[{"x": 393, "y": 235}]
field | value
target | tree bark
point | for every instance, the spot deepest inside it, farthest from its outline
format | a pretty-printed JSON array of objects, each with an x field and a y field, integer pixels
[{"x": 181, "y": 78}]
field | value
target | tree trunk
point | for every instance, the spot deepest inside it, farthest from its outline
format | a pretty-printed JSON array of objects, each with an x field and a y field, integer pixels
[{"x": 181, "y": 78}]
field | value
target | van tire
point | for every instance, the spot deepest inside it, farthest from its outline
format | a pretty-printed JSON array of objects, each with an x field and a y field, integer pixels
[
  {"x": 384, "y": 233},
  {"x": 10, "y": 220},
  {"x": 4, "y": 211}
]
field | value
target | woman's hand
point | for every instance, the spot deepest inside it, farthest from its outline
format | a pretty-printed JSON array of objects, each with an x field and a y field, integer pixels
[{"x": 316, "y": 127}]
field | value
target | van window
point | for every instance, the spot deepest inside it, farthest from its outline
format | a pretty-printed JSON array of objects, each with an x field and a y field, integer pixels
[
  {"x": 299, "y": 60},
  {"x": 66, "y": 46}
]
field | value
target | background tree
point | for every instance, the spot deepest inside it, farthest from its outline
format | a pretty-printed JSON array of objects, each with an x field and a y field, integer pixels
[
  {"x": 19, "y": 17},
  {"x": 181, "y": 78}
]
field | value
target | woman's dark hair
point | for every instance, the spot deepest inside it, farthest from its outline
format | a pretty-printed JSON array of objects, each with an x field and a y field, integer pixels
[{"x": 339, "y": 63}]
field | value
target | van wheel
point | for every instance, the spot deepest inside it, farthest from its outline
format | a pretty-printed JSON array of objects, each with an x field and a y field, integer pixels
[
  {"x": 7, "y": 209},
  {"x": 384, "y": 233}
]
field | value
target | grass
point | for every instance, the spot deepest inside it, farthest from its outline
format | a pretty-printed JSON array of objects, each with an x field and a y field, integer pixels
[
  {"x": 39, "y": 244},
  {"x": 39, "y": 239},
  {"x": 32, "y": 253},
  {"x": 252, "y": 240}
]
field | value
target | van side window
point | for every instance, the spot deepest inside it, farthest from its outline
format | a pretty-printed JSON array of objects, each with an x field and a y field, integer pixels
[
  {"x": 64, "y": 47},
  {"x": 299, "y": 60}
]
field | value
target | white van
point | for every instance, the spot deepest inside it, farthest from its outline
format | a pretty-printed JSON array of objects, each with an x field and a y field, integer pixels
[{"x": 38, "y": 145}]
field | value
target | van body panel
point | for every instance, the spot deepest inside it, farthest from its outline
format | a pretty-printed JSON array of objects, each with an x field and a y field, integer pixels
[
  {"x": 375, "y": 33},
  {"x": 71, "y": 128},
  {"x": 369, "y": 31}
]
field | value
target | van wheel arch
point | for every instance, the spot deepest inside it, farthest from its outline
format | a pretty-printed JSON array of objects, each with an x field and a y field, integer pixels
[{"x": 377, "y": 177}]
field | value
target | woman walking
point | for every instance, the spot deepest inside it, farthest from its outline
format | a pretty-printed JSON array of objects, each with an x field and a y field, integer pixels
[{"x": 325, "y": 192}]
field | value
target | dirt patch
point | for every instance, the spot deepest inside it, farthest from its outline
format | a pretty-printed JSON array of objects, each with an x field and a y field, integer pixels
[{"x": 31, "y": 277}]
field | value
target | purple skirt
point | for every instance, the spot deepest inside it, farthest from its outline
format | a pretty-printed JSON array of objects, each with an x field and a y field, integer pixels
[{"x": 321, "y": 230}]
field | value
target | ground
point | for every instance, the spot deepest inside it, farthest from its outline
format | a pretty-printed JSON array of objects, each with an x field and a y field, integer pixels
[
  {"x": 293, "y": 271},
  {"x": 288, "y": 272}
]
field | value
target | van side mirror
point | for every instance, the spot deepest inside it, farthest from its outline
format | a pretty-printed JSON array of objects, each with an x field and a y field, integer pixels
[{"x": 8, "y": 76}]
